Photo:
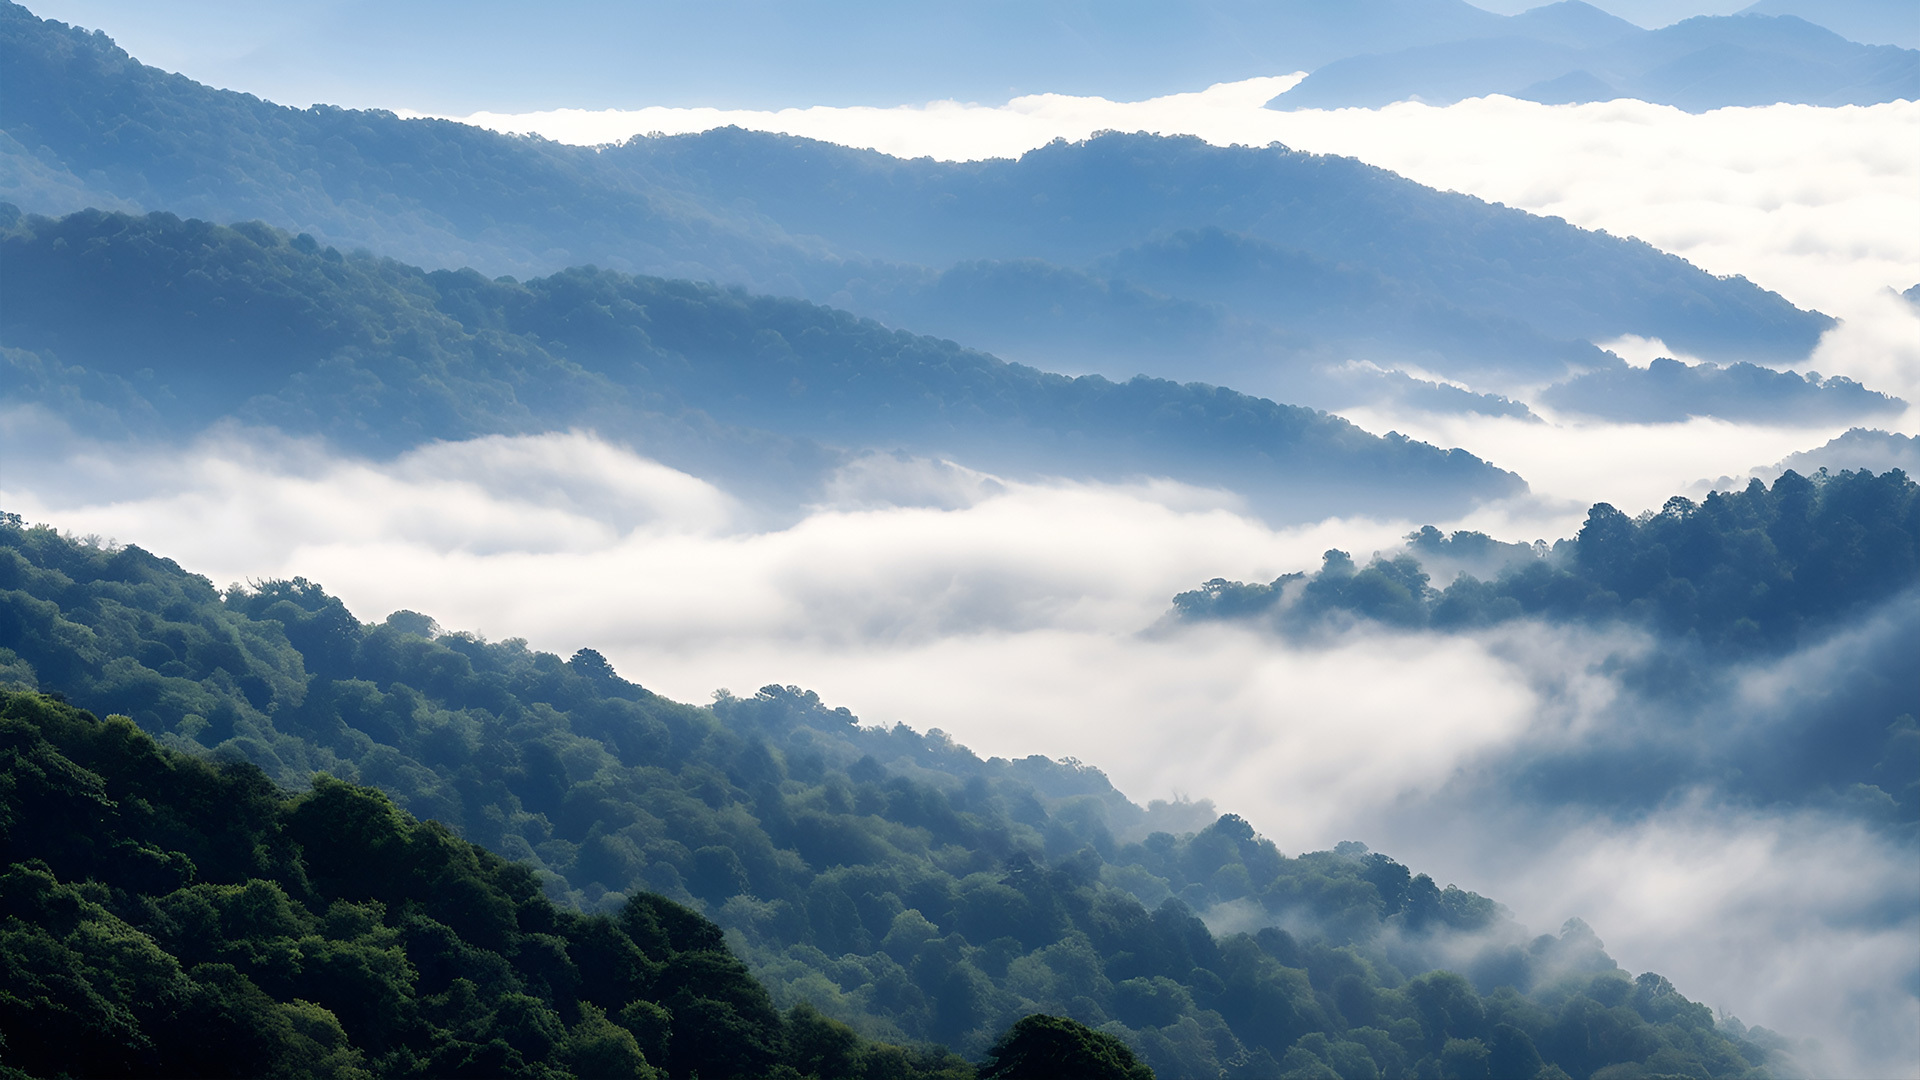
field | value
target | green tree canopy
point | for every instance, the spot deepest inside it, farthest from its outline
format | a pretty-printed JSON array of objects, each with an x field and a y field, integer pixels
[{"x": 1041, "y": 1047}]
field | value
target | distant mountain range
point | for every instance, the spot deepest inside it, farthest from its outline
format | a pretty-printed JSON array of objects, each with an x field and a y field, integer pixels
[
  {"x": 446, "y": 58},
  {"x": 151, "y": 325},
  {"x": 1871, "y": 22},
  {"x": 1574, "y": 52},
  {"x": 1670, "y": 390},
  {"x": 439, "y": 56},
  {"x": 1297, "y": 276}
]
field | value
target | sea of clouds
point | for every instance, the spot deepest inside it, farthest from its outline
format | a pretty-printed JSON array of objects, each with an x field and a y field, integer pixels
[{"x": 1030, "y": 617}]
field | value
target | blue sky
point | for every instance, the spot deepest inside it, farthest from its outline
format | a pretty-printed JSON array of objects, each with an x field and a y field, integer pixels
[{"x": 441, "y": 57}]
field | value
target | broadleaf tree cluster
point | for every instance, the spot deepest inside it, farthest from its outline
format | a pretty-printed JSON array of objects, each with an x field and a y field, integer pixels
[
  {"x": 1738, "y": 580},
  {"x": 161, "y": 915},
  {"x": 1742, "y": 572},
  {"x": 889, "y": 879}
]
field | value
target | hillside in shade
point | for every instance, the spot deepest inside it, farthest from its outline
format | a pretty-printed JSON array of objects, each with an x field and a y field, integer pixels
[
  {"x": 888, "y": 878},
  {"x": 1814, "y": 574},
  {"x": 163, "y": 326}
]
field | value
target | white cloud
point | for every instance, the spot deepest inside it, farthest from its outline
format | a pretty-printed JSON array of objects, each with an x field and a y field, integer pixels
[
  {"x": 1879, "y": 345},
  {"x": 949, "y": 130},
  {"x": 497, "y": 525},
  {"x": 1013, "y": 615},
  {"x": 1572, "y": 463},
  {"x": 1641, "y": 352},
  {"x": 1798, "y": 921},
  {"x": 233, "y": 501}
]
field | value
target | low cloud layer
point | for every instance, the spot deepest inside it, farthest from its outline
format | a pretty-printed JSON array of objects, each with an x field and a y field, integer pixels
[
  {"x": 1779, "y": 918},
  {"x": 1026, "y": 618},
  {"x": 1572, "y": 462}
]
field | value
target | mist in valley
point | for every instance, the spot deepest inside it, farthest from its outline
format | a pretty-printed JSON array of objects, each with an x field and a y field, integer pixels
[{"x": 1026, "y": 618}]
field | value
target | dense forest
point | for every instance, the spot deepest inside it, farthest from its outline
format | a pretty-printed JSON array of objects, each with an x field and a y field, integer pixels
[
  {"x": 1720, "y": 589},
  {"x": 888, "y": 879},
  {"x": 1754, "y": 569},
  {"x": 1012, "y": 255},
  {"x": 115, "y": 320},
  {"x": 161, "y": 915}
]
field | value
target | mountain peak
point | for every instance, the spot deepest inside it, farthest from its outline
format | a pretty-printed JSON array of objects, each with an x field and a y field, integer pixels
[{"x": 1572, "y": 22}]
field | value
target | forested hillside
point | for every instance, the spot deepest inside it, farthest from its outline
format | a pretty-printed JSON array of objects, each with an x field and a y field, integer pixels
[
  {"x": 164, "y": 916},
  {"x": 1025, "y": 257},
  {"x": 889, "y": 878},
  {"x": 1669, "y": 391},
  {"x": 169, "y": 325},
  {"x": 1722, "y": 588},
  {"x": 1757, "y": 569}
]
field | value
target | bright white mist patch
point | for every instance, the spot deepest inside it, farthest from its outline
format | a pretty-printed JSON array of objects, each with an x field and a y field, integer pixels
[
  {"x": 1573, "y": 462},
  {"x": 1879, "y": 344},
  {"x": 1820, "y": 204},
  {"x": 513, "y": 535},
  {"x": 1777, "y": 918},
  {"x": 948, "y": 130},
  {"x": 1641, "y": 352},
  {"x": 237, "y": 501},
  {"x": 1013, "y": 615}
]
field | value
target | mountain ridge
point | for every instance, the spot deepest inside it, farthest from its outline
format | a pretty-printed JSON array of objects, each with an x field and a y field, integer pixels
[
  {"x": 1699, "y": 64},
  {"x": 738, "y": 54},
  {"x": 194, "y": 322},
  {"x": 873, "y": 234}
]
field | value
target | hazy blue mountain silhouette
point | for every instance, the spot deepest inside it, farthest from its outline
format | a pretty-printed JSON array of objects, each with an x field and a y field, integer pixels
[
  {"x": 1699, "y": 64},
  {"x": 1872, "y": 22},
  {"x": 1856, "y": 448},
  {"x": 1445, "y": 282},
  {"x": 1671, "y": 390},
  {"x": 163, "y": 326},
  {"x": 1573, "y": 23},
  {"x": 437, "y": 56}
]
